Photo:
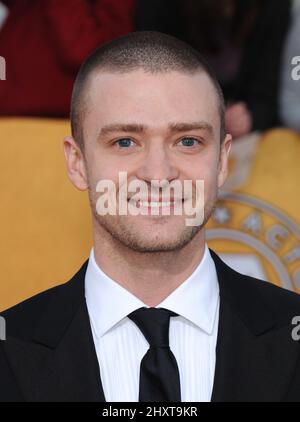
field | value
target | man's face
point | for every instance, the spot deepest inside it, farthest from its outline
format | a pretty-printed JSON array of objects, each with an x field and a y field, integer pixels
[{"x": 163, "y": 126}]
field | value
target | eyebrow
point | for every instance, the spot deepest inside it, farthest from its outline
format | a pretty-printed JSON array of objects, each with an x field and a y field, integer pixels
[{"x": 139, "y": 128}]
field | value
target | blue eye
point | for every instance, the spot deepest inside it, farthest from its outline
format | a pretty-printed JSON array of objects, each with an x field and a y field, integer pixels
[
  {"x": 124, "y": 142},
  {"x": 189, "y": 142}
]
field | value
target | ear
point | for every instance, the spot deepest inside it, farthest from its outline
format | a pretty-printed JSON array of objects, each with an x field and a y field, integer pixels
[
  {"x": 223, "y": 163},
  {"x": 75, "y": 163}
]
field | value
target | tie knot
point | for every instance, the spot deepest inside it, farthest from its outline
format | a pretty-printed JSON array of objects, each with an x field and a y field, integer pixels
[{"x": 154, "y": 324}]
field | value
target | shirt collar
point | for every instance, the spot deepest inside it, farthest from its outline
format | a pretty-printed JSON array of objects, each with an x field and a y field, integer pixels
[{"x": 196, "y": 299}]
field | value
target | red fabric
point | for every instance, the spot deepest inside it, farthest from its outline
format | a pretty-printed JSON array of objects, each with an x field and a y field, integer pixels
[{"x": 45, "y": 41}]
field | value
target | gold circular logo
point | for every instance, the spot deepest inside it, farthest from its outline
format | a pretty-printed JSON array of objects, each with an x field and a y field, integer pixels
[{"x": 256, "y": 239}]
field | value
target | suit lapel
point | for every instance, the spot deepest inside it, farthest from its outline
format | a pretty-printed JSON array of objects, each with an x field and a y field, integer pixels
[
  {"x": 255, "y": 356},
  {"x": 60, "y": 358}
]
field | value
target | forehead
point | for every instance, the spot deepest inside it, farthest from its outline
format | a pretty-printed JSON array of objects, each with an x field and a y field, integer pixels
[{"x": 151, "y": 99}]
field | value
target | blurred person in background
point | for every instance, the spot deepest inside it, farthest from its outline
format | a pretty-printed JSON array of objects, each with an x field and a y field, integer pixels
[
  {"x": 290, "y": 81},
  {"x": 3, "y": 13},
  {"x": 44, "y": 43},
  {"x": 242, "y": 41}
]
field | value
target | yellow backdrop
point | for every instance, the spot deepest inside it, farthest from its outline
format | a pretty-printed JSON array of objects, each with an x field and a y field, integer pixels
[{"x": 45, "y": 221}]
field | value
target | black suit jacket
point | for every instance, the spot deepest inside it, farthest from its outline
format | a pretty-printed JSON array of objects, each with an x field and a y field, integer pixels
[{"x": 49, "y": 354}]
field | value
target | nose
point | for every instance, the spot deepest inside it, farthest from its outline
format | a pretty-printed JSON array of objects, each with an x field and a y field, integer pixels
[{"x": 157, "y": 164}]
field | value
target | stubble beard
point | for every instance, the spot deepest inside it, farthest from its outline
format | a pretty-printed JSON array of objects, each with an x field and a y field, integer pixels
[{"x": 124, "y": 234}]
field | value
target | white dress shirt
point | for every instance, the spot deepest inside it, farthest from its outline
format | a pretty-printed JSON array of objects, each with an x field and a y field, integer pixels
[{"x": 120, "y": 345}]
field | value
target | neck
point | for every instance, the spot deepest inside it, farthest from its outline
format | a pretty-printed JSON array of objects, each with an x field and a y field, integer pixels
[{"x": 149, "y": 276}]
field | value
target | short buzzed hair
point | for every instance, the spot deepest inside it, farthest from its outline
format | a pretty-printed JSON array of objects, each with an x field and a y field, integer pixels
[{"x": 152, "y": 51}]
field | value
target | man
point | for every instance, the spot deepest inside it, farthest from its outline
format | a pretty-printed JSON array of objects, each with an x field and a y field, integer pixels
[{"x": 153, "y": 315}]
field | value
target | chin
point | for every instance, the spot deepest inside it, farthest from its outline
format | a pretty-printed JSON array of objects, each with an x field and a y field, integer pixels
[
  {"x": 161, "y": 243},
  {"x": 155, "y": 247}
]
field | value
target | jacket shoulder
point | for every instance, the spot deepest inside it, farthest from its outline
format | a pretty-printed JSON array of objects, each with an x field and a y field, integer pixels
[
  {"x": 278, "y": 298},
  {"x": 250, "y": 295},
  {"x": 21, "y": 318}
]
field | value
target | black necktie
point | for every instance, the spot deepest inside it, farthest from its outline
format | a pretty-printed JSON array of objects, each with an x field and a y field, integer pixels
[{"x": 159, "y": 374}]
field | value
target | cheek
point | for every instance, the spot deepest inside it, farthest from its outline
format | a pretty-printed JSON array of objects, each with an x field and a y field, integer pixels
[
  {"x": 208, "y": 172},
  {"x": 103, "y": 166},
  {"x": 100, "y": 172},
  {"x": 211, "y": 188},
  {"x": 210, "y": 178},
  {"x": 99, "y": 168}
]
